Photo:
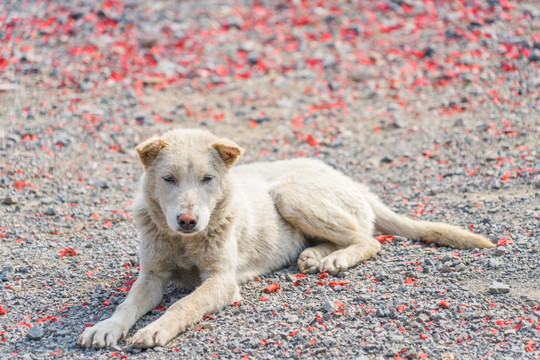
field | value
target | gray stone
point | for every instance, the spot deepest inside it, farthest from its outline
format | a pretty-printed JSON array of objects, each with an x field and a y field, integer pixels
[
  {"x": 446, "y": 269},
  {"x": 364, "y": 298},
  {"x": 460, "y": 267},
  {"x": 63, "y": 139},
  {"x": 5, "y": 276},
  {"x": 422, "y": 318},
  {"x": 292, "y": 318},
  {"x": 8, "y": 87},
  {"x": 329, "y": 307},
  {"x": 387, "y": 160},
  {"x": 101, "y": 184},
  {"x": 498, "y": 288},
  {"x": 10, "y": 200},
  {"x": 35, "y": 332}
]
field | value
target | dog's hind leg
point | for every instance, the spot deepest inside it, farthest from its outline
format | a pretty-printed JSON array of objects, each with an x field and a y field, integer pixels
[
  {"x": 351, "y": 255},
  {"x": 341, "y": 217}
]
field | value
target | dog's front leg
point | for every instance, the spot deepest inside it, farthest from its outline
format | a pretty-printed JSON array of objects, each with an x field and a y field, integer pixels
[
  {"x": 145, "y": 294},
  {"x": 212, "y": 295}
]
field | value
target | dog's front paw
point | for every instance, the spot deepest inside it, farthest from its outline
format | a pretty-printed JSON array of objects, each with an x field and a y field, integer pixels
[
  {"x": 155, "y": 334},
  {"x": 105, "y": 333}
]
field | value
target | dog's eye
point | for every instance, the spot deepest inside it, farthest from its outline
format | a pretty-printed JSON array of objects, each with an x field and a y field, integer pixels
[
  {"x": 170, "y": 179},
  {"x": 207, "y": 179}
]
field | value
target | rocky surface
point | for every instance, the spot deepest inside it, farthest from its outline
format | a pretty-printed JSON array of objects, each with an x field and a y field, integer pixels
[{"x": 434, "y": 105}]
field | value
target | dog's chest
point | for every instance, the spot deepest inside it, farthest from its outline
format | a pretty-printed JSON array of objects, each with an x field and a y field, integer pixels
[
  {"x": 188, "y": 278},
  {"x": 189, "y": 254}
]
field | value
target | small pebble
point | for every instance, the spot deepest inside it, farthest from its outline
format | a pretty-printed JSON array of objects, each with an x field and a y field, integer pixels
[
  {"x": 10, "y": 200},
  {"x": 499, "y": 288},
  {"x": 35, "y": 332}
]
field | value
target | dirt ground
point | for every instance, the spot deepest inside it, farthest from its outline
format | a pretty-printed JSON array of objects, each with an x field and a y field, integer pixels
[{"x": 434, "y": 105}]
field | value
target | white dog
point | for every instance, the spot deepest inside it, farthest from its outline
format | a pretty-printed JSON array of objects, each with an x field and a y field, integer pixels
[{"x": 211, "y": 227}]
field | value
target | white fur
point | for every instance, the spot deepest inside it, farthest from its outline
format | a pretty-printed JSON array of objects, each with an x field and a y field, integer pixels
[{"x": 252, "y": 219}]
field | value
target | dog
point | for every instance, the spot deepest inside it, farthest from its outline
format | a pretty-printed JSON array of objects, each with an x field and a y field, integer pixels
[{"x": 210, "y": 226}]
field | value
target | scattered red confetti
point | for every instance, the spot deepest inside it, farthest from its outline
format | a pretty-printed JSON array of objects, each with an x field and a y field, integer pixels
[
  {"x": 444, "y": 304},
  {"x": 506, "y": 176},
  {"x": 423, "y": 336},
  {"x": 412, "y": 66},
  {"x": 384, "y": 238},
  {"x": 264, "y": 298},
  {"x": 298, "y": 122},
  {"x": 67, "y": 251},
  {"x": 274, "y": 287},
  {"x": 48, "y": 318},
  {"x": 342, "y": 283},
  {"x": 160, "y": 307},
  {"x": 429, "y": 153},
  {"x": 20, "y": 184},
  {"x": 2, "y": 311},
  {"x": 504, "y": 241},
  {"x": 323, "y": 275},
  {"x": 23, "y": 323},
  {"x": 116, "y": 147},
  {"x": 128, "y": 285},
  {"x": 410, "y": 281}
]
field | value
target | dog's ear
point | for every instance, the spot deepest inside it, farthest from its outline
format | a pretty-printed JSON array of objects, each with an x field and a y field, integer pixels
[
  {"x": 149, "y": 149},
  {"x": 228, "y": 150}
]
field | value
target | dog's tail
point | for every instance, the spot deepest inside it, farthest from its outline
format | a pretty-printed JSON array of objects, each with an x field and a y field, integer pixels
[{"x": 388, "y": 222}]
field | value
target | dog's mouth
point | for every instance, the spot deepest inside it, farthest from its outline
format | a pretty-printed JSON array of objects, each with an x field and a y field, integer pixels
[{"x": 187, "y": 232}]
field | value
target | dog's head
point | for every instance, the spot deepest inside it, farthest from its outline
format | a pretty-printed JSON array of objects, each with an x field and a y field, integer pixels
[{"x": 186, "y": 174}]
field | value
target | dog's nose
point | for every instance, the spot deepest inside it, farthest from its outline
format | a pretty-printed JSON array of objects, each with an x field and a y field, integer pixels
[{"x": 187, "y": 221}]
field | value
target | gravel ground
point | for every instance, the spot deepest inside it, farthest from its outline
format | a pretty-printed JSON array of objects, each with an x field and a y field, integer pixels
[{"x": 435, "y": 105}]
